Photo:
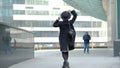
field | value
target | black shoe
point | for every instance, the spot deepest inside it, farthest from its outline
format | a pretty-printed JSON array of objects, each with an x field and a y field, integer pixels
[{"x": 66, "y": 65}]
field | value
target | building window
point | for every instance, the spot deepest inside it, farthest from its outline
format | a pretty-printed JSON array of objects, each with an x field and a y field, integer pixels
[
  {"x": 18, "y": 1},
  {"x": 82, "y": 24},
  {"x": 33, "y": 23},
  {"x": 19, "y": 11},
  {"x": 92, "y": 33},
  {"x": 97, "y": 24},
  {"x": 87, "y": 24},
  {"x": 42, "y": 24},
  {"x": 46, "y": 33},
  {"x": 36, "y": 2},
  {"x": 32, "y": 12}
]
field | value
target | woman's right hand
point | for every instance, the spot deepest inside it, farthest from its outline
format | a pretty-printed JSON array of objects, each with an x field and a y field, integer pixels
[{"x": 59, "y": 18}]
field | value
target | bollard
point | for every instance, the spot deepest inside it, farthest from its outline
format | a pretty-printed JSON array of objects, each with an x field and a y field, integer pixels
[{"x": 116, "y": 48}]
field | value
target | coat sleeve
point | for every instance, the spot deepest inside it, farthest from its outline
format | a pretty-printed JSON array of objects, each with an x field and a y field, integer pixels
[
  {"x": 56, "y": 23},
  {"x": 73, "y": 12}
]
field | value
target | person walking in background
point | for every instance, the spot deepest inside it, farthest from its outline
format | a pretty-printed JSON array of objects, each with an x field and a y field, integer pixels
[
  {"x": 66, "y": 42},
  {"x": 86, "y": 38},
  {"x": 7, "y": 42},
  {"x": 14, "y": 44}
]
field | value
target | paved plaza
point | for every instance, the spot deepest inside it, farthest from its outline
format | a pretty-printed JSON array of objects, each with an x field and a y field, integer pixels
[{"x": 98, "y": 58}]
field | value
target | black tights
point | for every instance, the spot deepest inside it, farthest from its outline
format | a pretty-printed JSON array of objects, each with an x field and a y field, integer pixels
[{"x": 65, "y": 56}]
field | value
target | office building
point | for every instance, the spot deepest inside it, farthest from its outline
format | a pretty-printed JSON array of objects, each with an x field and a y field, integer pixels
[{"x": 38, "y": 16}]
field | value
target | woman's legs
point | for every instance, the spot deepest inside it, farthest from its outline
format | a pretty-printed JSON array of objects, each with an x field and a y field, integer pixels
[{"x": 65, "y": 56}]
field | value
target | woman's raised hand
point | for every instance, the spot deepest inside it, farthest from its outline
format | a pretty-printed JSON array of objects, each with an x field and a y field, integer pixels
[{"x": 59, "y": 18}]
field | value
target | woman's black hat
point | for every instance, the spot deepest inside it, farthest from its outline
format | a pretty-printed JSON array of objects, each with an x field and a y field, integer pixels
[{"x": 65, "y": 15}]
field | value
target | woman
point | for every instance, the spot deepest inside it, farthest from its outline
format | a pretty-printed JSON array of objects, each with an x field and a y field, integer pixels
[{"x": 65, "y": 41}]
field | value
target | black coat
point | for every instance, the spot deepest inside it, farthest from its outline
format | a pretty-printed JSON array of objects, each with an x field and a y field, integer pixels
[
  {"x": 64, "y": 40},
  {"x": 86, "y": 38}
]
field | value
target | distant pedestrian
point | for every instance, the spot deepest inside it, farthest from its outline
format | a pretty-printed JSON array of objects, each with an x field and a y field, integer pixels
[
  {"x": 7, "y": 42},
  {"x": 86, "y": 38},
  {"x": 14, "y": 44},
  {"x": 66, "y": 42}
]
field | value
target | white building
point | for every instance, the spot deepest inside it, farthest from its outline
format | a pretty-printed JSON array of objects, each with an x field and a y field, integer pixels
[{"x": 39, "y": 15}]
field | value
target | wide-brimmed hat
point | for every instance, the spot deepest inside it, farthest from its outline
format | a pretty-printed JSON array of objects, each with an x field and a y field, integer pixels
[{"x": 65, "y": 15}]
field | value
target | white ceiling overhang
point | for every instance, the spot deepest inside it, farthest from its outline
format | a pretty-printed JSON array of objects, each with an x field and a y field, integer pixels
[{"x": 90, "y": 7}]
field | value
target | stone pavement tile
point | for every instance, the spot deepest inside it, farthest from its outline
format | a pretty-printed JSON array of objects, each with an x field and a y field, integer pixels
[{"x": 53, "y": 59}]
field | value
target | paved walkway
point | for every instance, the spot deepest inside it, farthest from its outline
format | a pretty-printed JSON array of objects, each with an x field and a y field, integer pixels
[{"x": 98, "y": 58}]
